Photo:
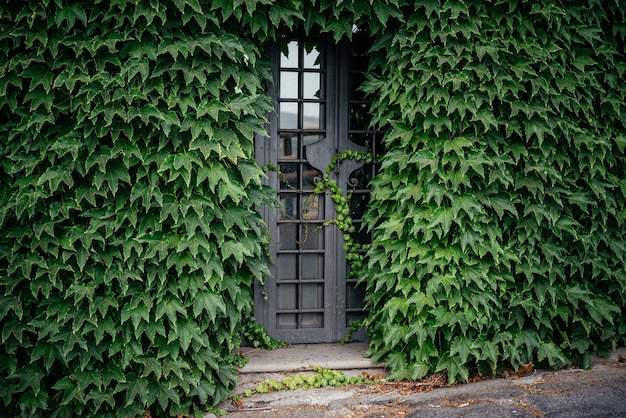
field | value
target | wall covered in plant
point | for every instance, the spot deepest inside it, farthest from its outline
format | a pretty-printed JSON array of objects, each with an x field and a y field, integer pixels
[
  {"x": 499, "y": 212},
  {"x": 129, "y": 234},
  {"x": 127, "y": 189}
]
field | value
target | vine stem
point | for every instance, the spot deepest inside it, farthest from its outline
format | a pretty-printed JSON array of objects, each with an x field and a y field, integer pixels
[{"x": 342, "y": 219}]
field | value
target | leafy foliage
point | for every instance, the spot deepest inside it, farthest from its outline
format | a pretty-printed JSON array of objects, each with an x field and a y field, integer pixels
[
  {"x": 499, "y": 210},
  {"x": 129, "y": 235},
  {"x": 257, "y": 336},
  {"x": 128, "y": 186},
  {"x": 321, "y": 379},
  {"x": 342, "y": 220}
]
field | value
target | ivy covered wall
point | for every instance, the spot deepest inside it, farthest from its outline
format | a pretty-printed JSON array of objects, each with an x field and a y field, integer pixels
[
  {"x": 128, "y": 182},
  {"x": 129, "y": 237},
  {"x": 499, "y": 213}
]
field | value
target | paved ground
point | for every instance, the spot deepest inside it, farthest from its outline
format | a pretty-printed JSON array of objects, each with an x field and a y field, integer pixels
[{"x": 574, "y": 393}]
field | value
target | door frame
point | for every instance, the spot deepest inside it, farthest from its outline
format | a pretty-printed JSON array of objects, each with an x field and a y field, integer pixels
[{"x": 266, "y": 151}]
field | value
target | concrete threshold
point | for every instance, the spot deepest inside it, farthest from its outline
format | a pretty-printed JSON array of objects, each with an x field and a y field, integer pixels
[{"x": 300, "y": 357}]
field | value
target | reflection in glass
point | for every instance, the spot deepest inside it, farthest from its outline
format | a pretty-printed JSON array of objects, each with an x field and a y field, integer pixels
[
  {"x": 288, "y": 115},
  {"x": 287, "y": 236},
  {"x": 286, "y": 321},
  {"x": 287, "y": 266},
  {"x": 359, "y": 117},
  {"x": 311, "y": 55},
  {"x": 354, "y": 316},
  {"x": 360, "y": 179},
  {"x": 311, "y": 86},
  {"x": 360, "y": 139},
  {"x": 310, "y": 176},
  {"x": 310, "y": 139},
  {"x": 312, "y": 113},
  {"x": 312, "y": 320},
  {"x": 288, "y": 146},
  {"x": 354, "y": 295},
  {"x": 312, "y": 266},
  {"x": 313, "y": 237},
  {"x": 289, "y": 54},
  {"x": 360, "y": 57},
  {"x": 356, "y": 81},
  {"x": 361, "y": 237},
  {"x": 288, "y": 85},
  {"x": 288, "y": 206},
  {"x": 358, "y": 205},
  {"x": 287, "y": 296},
  {"x": 312, "y": 207},
  {"x": 312, "y": 296},
  {"x": 289, "y": 176}
]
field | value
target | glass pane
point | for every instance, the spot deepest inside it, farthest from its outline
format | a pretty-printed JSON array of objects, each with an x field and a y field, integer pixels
[
  {"x": 289, "y": 176},
  {"x": 287, "y": 295},
  {"x": 358, "y": 205},
  {"x": 354, "y": 295},
  {"x": 360, "y": 56},
  {"x": 312, "y": 296},
  {"x": 288, "y": 146},
  {"x": 287, "y": 266},
  {"x": 311, "y": 86},
  {"x": 287, "y": 236},
  {"x": 354, "y": 316},
  {"x": 360, "y": 139},
  {"x": 313, "y": 237},
  {"x": 313, "y": 116},
  {"x": 286, "y": 321},
  {"x": 288, "y": 206},
  {"x": 312, "y": 320},
  {"x": 312, "y": 207},
  {"x": 288, "y": 85},
  {"x": 360, "y": 178},
  {"x": 310, "y": 139},
  {"x": 356, "y": 80},
  {"x": 310, "y": 176},
  {"x": 359, "y": 117},
  {"x": 362, "y": 237},
  {"x": 312, "y": 267},
  {"x": 289, "y": 54},
  {"x": 311, "y": 55},
  {"x": 288, "y": 115}
]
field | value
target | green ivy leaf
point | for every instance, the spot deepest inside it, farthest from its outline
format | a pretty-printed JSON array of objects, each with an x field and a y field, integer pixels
[
  {"x": 27, "y": 377},
  {"x": 210, "y": 302},
  {"x": 136, "y": 389},
  {"x": 549, "y": 350},
  {"x": 603, "y": 308},
  {"x": 455, "y": 368}
]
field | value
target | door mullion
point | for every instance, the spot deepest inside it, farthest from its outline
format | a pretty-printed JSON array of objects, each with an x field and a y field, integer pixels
[{"x": 341, "y": 129}]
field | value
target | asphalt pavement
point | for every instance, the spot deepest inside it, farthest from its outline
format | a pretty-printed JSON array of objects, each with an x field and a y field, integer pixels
[{"x": 572, "y": 393}]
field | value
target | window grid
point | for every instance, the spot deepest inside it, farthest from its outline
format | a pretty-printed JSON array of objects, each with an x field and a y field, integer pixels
[{"x": 301, "y": 254}]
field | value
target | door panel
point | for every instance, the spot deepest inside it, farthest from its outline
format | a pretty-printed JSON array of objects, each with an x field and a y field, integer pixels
[{"x": 309, "y": 298}]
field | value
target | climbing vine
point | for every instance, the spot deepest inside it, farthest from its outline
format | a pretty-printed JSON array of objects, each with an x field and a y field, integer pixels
[
  {"x": 256, "y": 335},
  {"x": 129, "y": 232},
  {"x": 343, "y": 220},
  {"x": 320, "y": 379}
]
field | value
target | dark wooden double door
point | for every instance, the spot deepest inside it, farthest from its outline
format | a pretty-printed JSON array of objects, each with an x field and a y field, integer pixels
[{"x": 320, "y": 112}]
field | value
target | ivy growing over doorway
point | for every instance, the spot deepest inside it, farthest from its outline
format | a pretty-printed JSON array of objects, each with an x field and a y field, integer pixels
[{"x": 129, "y": 234}]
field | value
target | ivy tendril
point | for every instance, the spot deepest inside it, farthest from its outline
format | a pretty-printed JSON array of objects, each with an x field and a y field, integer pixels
[{"x": 343, "y": 220}]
